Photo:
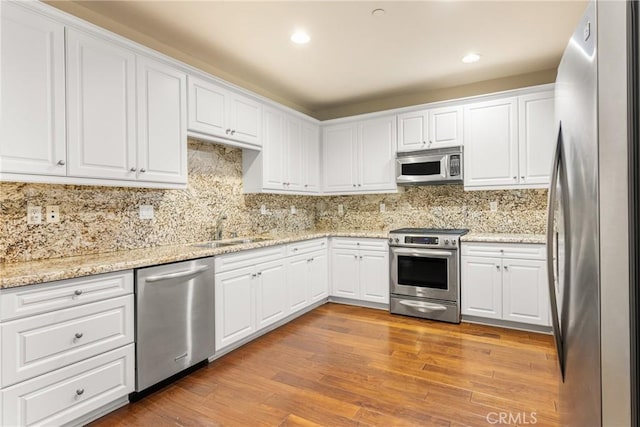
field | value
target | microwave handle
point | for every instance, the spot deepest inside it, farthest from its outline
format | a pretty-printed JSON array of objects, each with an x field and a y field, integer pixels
[{"x": 444, "y": 167}]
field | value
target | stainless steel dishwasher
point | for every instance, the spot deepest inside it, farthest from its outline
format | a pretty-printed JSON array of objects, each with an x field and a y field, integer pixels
[{"x": 174, "y": 319}]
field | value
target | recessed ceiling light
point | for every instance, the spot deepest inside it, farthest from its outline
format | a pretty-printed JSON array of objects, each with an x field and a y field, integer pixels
[
  {"x": 470, "y": 58},
  {"x": 378, "y": 12},
  {"x": 300, "y": 37}
]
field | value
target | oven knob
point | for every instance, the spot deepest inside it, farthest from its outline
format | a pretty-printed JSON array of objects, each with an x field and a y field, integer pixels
[
  {"x": 446, "y": 241},
  {"x": 390, "y": 240},
  {"x": 453, "y": 242},
  {"x": 397, "y": 240}
]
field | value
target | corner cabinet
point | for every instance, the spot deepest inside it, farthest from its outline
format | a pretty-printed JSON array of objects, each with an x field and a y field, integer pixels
[
  {"x": 506, "y": 282},
  {"x": 433, "y": 128},
  {"x": 289, "y": 161},
  {"x": 360, "y": 269},
  {"x": 220, "y": 114},
  {"x": 509, "y": 142},
  {"x": 360, "y": 156}
]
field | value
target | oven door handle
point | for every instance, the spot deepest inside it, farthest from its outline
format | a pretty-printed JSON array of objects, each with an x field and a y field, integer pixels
[
  {"x": 424, "y": 307},
  {"x": 421, "y": 252}
]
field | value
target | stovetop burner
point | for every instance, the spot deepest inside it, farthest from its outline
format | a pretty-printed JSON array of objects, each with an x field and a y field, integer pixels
[{"x": 451, "y": 231}]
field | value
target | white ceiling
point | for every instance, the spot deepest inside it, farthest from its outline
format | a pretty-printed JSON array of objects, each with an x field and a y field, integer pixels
[{"x": 354, "y": 56}]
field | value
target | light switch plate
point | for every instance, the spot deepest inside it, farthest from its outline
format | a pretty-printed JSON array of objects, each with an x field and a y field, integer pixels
[
  {"x": 383, "y": 208},
  {"x": 146, "y": 212},
  {"x": 293, "y": 210},
  {"x": 263, "y": 210},
  {"x": 493, "y": 206},
  {"x": 340, "y": 209}
]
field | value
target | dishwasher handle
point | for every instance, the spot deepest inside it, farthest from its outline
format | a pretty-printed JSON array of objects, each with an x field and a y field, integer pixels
[{"x": 178, "y": 275}]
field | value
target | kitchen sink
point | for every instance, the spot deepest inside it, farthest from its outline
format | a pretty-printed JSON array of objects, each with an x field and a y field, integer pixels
[{"x": 240, "y": 241}]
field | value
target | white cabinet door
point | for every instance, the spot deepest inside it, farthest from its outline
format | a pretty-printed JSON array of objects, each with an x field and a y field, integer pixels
[
  {"x": 339, "y": 160},
  {"x": 537, "y": 140},
  {"x": 413, "y": 130},
  {"x": 244, "y": 119},
  {"x": 101, "y": 107},
  {"x": 525, "y": 292},
  {"x": 297, "y": 278},
  {"x": 235, "y": 306},
  {"x": 376, "y": 158},
  {"x": 207, "y": 108},
  {"x": 345, "y": 273},
  {"x": 445, "y": 127},
  {"x": 491, "y": 143},
  {"x": 482, "y": 287},
  {"x": 311, "y": 157},
  {"x": 162, "y": 122},
  {"x": 273, "y": 149},
  {"x": 271, "y": 293},
  {"x": 374, "y": 276},
  {"x": 32, "y": 138},
  {"x": 319, "y": 276},
  {"x": 294, "y": 159}
]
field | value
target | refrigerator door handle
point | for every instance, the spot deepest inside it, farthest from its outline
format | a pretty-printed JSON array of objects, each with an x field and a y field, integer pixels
[{"x": 553, "y": 194}]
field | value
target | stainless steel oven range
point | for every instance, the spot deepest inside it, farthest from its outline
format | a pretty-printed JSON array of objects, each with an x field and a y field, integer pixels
[{"x": 425, "y": 273}]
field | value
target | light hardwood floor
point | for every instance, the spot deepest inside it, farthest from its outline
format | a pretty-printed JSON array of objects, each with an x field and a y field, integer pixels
[{"x": 342, "y": 365}]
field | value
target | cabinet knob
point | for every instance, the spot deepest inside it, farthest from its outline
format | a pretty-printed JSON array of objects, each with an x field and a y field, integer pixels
[
  {"x": 306, "y": 185},
  {"x": 233, "y": 132},
  {"x": 424, "y": 142},
  {"x": 227, "y": 131},
  {"x": 354, "y": 185},
  {"x": 360, "y": 256},
  {"x": 355, "y": 257},
  {"x": 359, "y": 185},
  {"x": 142, "y": 170},
  {"x": 506, "y": 267},
  {"x": 78, "y": 292},
  {"x": 79, "y": 335},
  {"x": 522, "y": 177},
  {"x": 259, "y": 273},
  {"x": 61, "y": 162},
  {"x": 254, "y": 275},
  {"x": 497, "y": 267},
  {"x": 132, "y": 169},
  {"x": 80, "y": 391},
  {"x": 515, "y": 177}
]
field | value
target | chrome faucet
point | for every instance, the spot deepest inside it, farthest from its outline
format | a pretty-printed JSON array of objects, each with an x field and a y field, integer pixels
[{"x": 218, "y": 231}]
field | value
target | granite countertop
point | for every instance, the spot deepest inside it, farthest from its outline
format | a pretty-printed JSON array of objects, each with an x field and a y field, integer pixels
[
  {"x": 33, "y": 272},
  {"x": 504, "y": 238}
]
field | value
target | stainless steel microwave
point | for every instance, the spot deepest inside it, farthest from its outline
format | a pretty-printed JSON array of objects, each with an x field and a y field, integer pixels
[{"x": 437, "y": 166}]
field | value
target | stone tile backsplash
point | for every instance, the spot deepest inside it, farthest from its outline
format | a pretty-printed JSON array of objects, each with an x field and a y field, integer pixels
[{"x": 104, "y": 219}]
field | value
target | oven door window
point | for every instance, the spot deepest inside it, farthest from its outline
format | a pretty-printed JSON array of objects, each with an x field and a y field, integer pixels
[
  {"x": 423, "y": 272},
  {"x": 422, "y": 168}
]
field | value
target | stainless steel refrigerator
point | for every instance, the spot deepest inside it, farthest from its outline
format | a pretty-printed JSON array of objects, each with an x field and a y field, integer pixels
[{"x": 588, "y": 223}]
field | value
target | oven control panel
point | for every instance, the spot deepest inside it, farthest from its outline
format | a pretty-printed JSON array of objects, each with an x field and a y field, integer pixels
[{"x": 418, "y": 241}]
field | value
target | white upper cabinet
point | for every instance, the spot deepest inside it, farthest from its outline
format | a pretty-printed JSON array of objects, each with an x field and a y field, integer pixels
[
  {"x": 360, "y": 156},
  {"x": 162, "y": 122},
  {"x": 289, "y": 161},
  {"x": 509, "y": 142},
  {"x": 101, "y": 107},
  {"x": 537, "y": 129},
  {"x": 434, "y": 128},
  {"x": 491, "y": 143},
  {"x": 217, "y": 112},
  {"x": 32, "y": 138}
]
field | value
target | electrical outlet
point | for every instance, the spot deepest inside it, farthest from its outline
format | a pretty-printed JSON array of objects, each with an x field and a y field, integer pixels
[
  {"x": 146, "y": 212},
  {"x": 383, "y": 208},
  {"x": 493, "y": 206},
  {"x": 263, "y": 210},
  {"x": 293, "y": 210},
  {"x": 340, "y": 209},
  {"x": 52, "y": 213},
  {"x": 34, "y": 215}
]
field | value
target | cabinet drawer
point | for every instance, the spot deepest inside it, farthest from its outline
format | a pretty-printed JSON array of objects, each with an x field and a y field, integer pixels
[
  {"x": 66, "y": 394},
  {"x": 351, "y": 243},
  {"x": 39, "y": 344},
  {"x": 248, "y": 258},
  {"x": 510, "y": 250},
  {"x": 36, "y": 299},
  {"x": 307, "y": 246}
]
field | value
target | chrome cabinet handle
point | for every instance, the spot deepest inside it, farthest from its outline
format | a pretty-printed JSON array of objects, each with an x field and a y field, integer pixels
[
  {"x": 233, "y": 132},
  {"x": 132, "y": 169},
  {"x": 182, "y": 356},
  {"x": 78, "y": 292},
  {"x": 227, "y": 131},
  {"x": 80, "y": 391},
  {"x": 79, "y": 335},
  {"x": 61, "y": 162}
]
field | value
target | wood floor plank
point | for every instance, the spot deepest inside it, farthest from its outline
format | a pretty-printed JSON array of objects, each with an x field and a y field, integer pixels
[{"x": 349, "y": 366}]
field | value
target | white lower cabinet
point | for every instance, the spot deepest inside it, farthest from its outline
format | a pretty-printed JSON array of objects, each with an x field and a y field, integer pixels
[
  {"x": 360, "y": 269},
  {"x": 257, "y": 288},
  {"x": 507, "y": 282},
  {"x": 67, "y": 349}
]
